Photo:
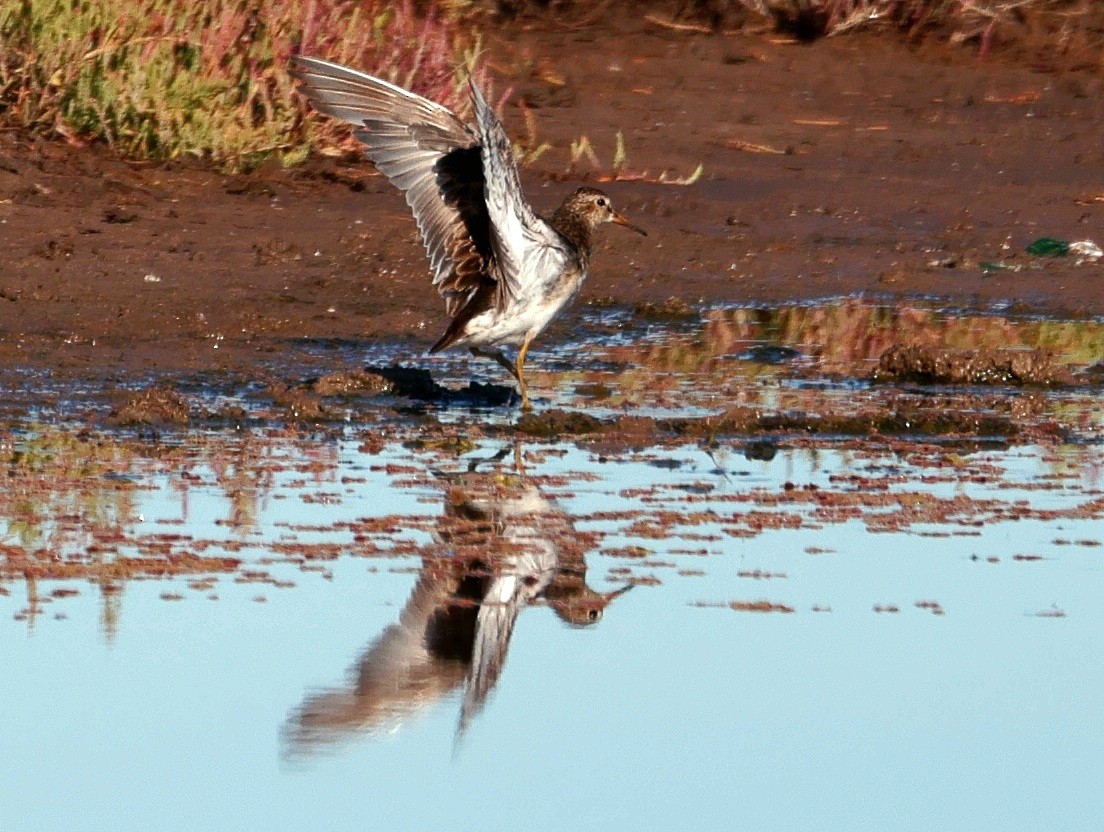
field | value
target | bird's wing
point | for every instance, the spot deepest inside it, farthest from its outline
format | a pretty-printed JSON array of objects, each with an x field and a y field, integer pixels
[
  {"x": 400, "y": 675},
  {"x": 516, "y": 583},
  {"x": 525, "y": 246},
  {"x": 495, "y": 624},
  {"x": 427, "y": 153}
]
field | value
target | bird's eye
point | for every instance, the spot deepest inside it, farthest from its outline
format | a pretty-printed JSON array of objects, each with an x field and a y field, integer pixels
[
  {"x": 602, "y": 203},
  {"x": 593, "y": 615}
]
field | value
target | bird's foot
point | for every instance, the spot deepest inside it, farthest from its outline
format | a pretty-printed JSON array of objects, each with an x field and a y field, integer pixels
[{"x": 514, "y": 368}]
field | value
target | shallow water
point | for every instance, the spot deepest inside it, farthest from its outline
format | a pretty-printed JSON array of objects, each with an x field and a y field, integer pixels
[{"x": 832, "y": 632}]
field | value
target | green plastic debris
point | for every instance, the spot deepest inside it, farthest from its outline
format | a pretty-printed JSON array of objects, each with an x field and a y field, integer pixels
[{"x": 1048, "y": 247}]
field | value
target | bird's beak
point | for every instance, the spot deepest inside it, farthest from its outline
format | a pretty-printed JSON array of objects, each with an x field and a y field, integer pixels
[
  {"x": 620, "y": 220},
  {"x": 609, "y": 596}
]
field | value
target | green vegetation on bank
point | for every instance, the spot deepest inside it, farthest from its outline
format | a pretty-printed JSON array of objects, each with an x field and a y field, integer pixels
[{"x": 207, "y": 78}]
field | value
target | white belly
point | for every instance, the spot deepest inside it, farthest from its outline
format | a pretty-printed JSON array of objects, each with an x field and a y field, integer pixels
[{"x": 524, "y": 317}]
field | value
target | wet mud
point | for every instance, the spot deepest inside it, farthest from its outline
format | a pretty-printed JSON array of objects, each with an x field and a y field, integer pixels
[
  {"x": 922, "y": 364},
  {"x": 848, "y": 166}
]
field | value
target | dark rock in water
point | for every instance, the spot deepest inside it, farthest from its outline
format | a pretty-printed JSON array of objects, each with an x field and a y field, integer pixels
[
  {"x": 481, "y": 395},
  {"x": 769, "y": 354},
  {"x": 936, "y": 366},
  {"x": 1093, "y": 374},
  {"x": 763, "y": 450},
  {"x": 594, "y": 391},
  {"x": 666, "y": 464},
  {"x": 408, "y": 382}
]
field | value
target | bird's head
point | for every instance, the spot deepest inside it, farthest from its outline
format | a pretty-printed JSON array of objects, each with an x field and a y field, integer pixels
[
  {"x": 580, "y": 605},
  {"x": 595, "y": 208}
]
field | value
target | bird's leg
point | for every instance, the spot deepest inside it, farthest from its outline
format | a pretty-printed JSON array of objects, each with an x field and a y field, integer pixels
[
  {"x": 519, "y": 373},
  {"x": 515, "y": 368},
  {"x": 496, "y": 355}
]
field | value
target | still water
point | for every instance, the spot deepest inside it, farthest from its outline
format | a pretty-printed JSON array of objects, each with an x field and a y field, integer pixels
[{"x": 229, "y": 628}]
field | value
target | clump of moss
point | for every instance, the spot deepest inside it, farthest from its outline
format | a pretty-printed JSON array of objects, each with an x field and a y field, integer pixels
[
  {"x": 154, "y": 406},
  {"x": 555, "y": 422}
]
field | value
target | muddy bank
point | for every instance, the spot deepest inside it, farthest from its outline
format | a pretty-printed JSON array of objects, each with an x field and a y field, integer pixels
[
  {"x": 427, "y": 415},
  {"x": 623, "y": 378},
  {"x": 852, "y": 165}
]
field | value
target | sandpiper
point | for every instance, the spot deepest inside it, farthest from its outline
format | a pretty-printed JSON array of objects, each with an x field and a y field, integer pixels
[
  {"x": 501, "y": 546},
  {"x": 503, "y": 270}
]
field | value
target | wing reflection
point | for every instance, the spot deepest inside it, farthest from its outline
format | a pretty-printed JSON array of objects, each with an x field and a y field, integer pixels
[{"x": 500, "y": 547}]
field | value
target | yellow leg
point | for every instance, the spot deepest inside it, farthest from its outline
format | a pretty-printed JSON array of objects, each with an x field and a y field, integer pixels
[
  {"x": 519, "y": 371},
  {"x": 516, "y": 369}
]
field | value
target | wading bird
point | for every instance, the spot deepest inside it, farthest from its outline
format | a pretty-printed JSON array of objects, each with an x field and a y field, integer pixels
[
  {"x": 503, "y": 271},
  {"x": 500, "y": 546}
]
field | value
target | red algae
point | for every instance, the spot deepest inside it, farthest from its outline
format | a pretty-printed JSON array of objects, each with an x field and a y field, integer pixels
[{"x": 759, "y": 606}]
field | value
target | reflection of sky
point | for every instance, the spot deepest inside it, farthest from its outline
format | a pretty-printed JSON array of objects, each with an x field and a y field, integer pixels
[{"x": 665, "y": 714}]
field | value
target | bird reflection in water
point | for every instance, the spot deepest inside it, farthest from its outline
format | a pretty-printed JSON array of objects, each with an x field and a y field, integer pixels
[{"x": 500, "y": 546}]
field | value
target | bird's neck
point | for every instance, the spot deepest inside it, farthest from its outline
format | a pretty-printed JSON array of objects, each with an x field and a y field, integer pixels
[{"x": 574, "y": 228}]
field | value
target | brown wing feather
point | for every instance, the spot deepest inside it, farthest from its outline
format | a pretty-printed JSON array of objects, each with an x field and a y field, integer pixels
[
  {"x": 483, "y": 297},
  {"x": 427, "y": 153},
  {"x": 460, "y": 181}
]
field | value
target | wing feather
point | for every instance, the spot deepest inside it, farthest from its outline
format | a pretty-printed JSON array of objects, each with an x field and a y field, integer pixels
[
  {"x": 525, "y": 246},
  {"x": 427, "y": 153}
]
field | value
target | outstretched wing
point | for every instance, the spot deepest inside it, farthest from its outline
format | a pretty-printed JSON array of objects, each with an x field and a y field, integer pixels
[
  {"x": 514, "y": 586},
  {"x": 427, "y": 153},
  {"x": 526, "y": 249}
]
